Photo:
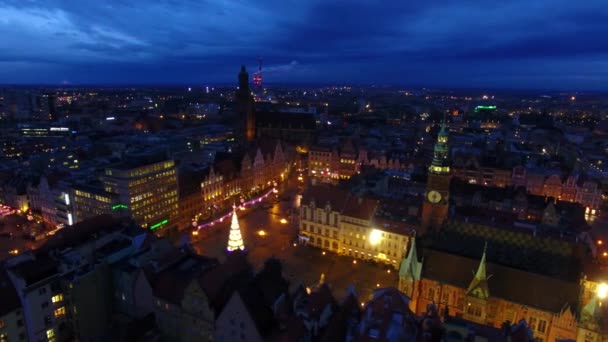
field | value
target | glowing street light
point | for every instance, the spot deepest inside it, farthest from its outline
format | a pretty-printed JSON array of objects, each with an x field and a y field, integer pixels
[
  {"x": 355, "y": 262},
  {"x": 323, "y": 253},
  {"x": 195, "y": 232},
  {"x": 283, "y": 221},
  {"x": 261, "y": 233},
  {"x": 602, "y": 291},
  {"x": 375, "y": 236}
]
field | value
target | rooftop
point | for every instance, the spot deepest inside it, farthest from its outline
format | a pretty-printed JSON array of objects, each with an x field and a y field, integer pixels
[
  {"x": 522, "y": 287},
  {"x": 342, "y": 201}
]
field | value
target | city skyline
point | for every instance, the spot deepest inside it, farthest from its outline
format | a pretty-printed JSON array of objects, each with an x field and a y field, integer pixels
[{"x": 517, "y": 45}]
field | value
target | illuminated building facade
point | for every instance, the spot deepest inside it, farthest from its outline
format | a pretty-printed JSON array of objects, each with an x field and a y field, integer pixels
[
  {"x": 571, "y": 188},
  {"x": 436, "y": 201},
  {"x": 236, "y": 176},
  {"x": 554, "y": 309},
  {"x": 90, "y": 201},
  {"x": 147, "y": 188},
  {"x": 331, "y": 164},
  {"x": 340, "y": 222},
  {"x": 51, "y": 197}
]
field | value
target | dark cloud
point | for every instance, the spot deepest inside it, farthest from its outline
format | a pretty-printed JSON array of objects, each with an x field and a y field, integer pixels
[{"x": 517, "y": 43}]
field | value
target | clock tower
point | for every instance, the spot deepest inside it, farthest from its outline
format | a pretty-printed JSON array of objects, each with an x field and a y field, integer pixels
[{"x": 436, "y": 199}]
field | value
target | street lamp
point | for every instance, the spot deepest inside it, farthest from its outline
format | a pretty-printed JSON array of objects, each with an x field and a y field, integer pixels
[
  {"x": 602, "y": 290},
  {"x": 375, "y": 236}
]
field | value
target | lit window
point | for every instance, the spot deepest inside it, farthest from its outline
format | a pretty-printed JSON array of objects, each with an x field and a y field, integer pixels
[
  {"x": 50, "y": 334},
  {"x": 60, "y": 312},
  {"x": 57, "y": 298}
]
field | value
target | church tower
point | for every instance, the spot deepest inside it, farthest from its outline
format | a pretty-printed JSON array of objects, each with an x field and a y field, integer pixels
[
  {"x": 410, "y": 274},
  {"x": 436, "y": 199},
  {"x": 245, "y": 108}
]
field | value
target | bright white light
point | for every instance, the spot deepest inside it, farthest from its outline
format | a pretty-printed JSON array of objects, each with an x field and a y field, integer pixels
[
  {"x": 375, "y": 236},
  {"x": 602, "y": 291},
  {"x": 70, "y": 221},
  {"x": 110, "y": 118},
  {"x": 67, "y": 199}
]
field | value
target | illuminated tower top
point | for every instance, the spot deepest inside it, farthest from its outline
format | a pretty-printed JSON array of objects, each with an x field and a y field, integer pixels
[
  {"x": 440, "y": 163},
  {"x": 235, "y": 239}
]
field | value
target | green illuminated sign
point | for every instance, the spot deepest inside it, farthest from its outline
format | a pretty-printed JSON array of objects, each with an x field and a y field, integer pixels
[
  {"x": 485, "y": 107},
  {"x": 119, "y": 206},
  {"x": 163, "y": 222}
]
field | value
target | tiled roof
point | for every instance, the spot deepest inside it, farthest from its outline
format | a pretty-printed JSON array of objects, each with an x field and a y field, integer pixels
[
  {"x": 171, "y": 283},
  {"x": 387, "y": 311},
  {"x": 83, "y": 231},
  {"x": 220, "y": 282},
  {"x": 342, "y": 201},
  {"x": 347, "y": 315},
  {"x": 259, "y": 311},
  {"x": 530, "y": 289}
]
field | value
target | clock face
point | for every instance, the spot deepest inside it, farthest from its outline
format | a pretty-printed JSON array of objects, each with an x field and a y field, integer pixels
[{"x": 434, "y": 196}]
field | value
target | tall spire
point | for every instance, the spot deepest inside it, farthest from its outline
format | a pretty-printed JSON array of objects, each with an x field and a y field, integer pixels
[
  {"x": 411, "y": 268},
  {"x": 440, "y": 163},
  {"x": 479, "y": 284},
  {"x": 235, "y": 239}
]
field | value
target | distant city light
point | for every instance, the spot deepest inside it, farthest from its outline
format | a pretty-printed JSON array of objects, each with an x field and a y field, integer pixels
[
  {"x": 261, "y": 233},
  {"x": 110, "y": 118}
]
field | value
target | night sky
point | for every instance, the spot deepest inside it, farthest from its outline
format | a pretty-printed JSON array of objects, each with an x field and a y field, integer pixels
[{"x": 502, "y": 44}]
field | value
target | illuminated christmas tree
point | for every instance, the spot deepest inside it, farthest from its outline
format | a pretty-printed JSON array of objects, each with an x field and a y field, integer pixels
[{"x": 235, "y": 239}]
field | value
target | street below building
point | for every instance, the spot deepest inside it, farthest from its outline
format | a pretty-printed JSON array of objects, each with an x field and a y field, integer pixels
[{"x": 270, "y": 229}]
